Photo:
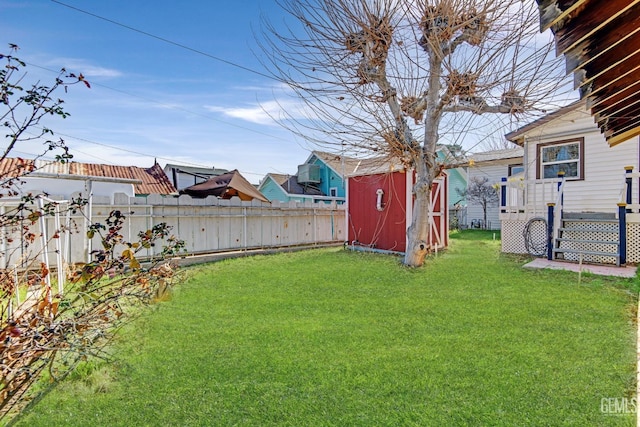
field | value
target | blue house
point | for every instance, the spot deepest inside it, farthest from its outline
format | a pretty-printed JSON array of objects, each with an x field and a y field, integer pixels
[
  {"x": 285, "y": 188},
  {"x": 457, "y": 176},
  {"x": 319, "y": 179}
]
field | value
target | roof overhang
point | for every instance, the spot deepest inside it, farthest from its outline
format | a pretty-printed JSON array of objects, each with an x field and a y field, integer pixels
[{"x": 600, "y": 40}]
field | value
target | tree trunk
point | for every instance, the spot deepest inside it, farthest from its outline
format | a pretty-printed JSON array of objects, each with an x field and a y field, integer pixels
[
  {"x": 484, "y": 224},
  {"x": 418, "y": 233}
]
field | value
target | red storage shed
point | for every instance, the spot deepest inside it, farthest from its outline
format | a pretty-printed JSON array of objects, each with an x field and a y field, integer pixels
[{"x": 379, "y": 209}]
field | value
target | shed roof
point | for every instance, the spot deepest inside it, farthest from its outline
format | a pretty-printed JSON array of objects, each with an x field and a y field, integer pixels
[
  {"x": 600, "y": 40},
  {"x": 151, "y": 180},
  {"x": 344, "y": 165}
]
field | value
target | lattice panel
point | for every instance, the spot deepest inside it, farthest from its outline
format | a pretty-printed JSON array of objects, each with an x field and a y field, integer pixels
[
  {"x": 512, "y": 239},
  {"x": 600, "y": 231},
  {"x": 633, "y": 243}
]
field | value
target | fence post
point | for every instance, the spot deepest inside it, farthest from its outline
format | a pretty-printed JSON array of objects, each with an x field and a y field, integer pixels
[
  {"x": 550, "y": 222},
  {"x": 622, "y": 231},
  {"x": 503, "y": 194}
]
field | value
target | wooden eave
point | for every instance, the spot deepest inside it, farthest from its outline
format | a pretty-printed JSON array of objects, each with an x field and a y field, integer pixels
[{"x": 601, "y": 43}]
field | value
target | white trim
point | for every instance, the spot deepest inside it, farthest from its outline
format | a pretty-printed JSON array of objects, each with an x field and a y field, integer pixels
[{"x": 346, "y": 210}]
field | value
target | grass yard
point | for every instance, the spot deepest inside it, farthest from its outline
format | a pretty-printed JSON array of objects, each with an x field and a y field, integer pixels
[{"x": 334, "y": 338}]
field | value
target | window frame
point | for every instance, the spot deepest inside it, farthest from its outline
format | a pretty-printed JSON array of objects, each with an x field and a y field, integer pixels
[
  {"x": 512, "y": 167},
  {"x": 580, "y": 169}
]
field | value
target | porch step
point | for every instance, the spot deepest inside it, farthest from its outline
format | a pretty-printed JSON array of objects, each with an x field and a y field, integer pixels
[
  {"x": 589, "y": 216},
  {"x": 589, "y": 235},
  {"x": 558, "y": 251},
  {"x": 597, "y": 221},
  {"x": 591, "y": 242},
  {"x": 594, "y": 253},
  {"x": 585, "y": 230}
]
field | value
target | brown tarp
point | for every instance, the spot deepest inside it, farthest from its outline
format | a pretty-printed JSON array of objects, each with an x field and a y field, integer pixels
[{"x": 225, "y": 186}]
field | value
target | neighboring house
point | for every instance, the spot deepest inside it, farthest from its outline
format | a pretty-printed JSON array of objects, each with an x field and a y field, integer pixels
[
  {"x": 380, "y": 203},
  {"x": 185, "y": 176},
  {"x": 285, "y": 188},
  {"x": 493, "y": 165},
  {"x": 69, "y": 178},
  {"x": 585, "y": 200},
  {"x": 456, "y": 184},
  {"x": 225, "y": 186},
  {"x": 331, "y": 171},
  {"x": 319, "y": 179}
]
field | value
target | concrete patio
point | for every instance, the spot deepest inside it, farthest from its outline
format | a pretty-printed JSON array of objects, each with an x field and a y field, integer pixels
[{"x": 602, "y": 270}]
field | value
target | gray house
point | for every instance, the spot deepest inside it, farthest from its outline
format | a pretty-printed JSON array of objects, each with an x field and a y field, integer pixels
[{"x": 185, "y": 176}]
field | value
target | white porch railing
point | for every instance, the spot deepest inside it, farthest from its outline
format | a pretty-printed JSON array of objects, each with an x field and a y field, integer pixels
[
  {"x": 630, "y": 190},
  {"x": 523, "y": 199}
]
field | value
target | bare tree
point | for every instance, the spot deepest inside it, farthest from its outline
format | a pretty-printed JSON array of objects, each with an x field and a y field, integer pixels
[
  {"x": 496, "y": 142},
  {"x": 394, "y": 76},
  {"x": 480, "y": 192}
]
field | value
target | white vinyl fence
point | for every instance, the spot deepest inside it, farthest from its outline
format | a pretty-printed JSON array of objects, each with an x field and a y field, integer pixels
[{"x": 206, "y": 225}]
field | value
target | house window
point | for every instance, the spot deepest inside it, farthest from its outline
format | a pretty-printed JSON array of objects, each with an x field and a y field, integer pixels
[
  {"x": 515, "y": 169},
  {"x": 333, "y": 192},
  {"x": 564, "y": 156}
]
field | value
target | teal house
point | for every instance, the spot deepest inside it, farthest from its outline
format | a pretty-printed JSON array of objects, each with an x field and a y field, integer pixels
[
  {"x": 319, "y": 179},
  {"x": 457, "y": 176}
]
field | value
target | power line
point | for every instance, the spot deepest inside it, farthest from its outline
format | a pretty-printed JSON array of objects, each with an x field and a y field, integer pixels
[
  {"x": 199, "y": 52},
  {"x": 170, "y": 106}
]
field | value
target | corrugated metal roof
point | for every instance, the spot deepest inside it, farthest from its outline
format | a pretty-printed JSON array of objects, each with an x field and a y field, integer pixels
[
  {"x": 600, "y": 40},
  {"x": 151, "y": 180},
  {"x": 14, "y": 167}
]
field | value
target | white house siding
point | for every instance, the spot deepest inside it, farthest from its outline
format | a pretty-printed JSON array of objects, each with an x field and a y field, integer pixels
[
  {"x": 494, "y": 171},
  {"x": 599, "y": 191},
  {"x": 67, "y": 188}
]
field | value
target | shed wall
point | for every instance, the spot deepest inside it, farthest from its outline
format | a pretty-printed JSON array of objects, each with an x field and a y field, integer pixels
[{"x": 384, "y": 229}]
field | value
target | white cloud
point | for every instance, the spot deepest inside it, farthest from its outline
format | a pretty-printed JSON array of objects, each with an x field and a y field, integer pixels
[
  {"x": 76, "y": 65},
  {"x": 265, "y": 114}
]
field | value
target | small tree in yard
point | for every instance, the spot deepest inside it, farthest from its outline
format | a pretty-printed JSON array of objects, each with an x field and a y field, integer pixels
[
  {"x": 54, "y": 328},
  {"x": 393, "y": 77},
  {"x": 480, "y": 192}
]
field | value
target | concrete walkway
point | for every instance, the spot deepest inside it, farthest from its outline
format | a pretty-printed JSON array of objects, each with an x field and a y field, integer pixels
[{"x": 602, "y": 270}]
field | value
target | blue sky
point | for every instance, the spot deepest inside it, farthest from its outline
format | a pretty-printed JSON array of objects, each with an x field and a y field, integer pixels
[{"x": 151, "y": 99}]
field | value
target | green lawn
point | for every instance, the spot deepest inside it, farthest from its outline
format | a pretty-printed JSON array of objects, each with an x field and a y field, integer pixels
[{"x": 334, "y": 338}]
